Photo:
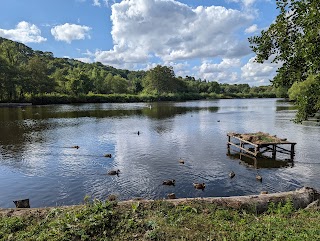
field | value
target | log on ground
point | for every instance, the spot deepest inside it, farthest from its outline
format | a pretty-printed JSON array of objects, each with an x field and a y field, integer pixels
[{"x": 300, "y": 198}]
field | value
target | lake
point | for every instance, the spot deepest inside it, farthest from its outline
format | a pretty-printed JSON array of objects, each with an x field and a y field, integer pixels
[{"x": 37, "y": 160}]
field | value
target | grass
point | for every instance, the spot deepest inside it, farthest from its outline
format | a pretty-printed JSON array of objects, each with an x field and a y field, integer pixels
[{"x": 160, "y": 220}]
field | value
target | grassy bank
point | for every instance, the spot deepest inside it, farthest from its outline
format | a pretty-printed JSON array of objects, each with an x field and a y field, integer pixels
[
  {"x": 160, "y": 220},
  {"x": 127, "y": 98}
]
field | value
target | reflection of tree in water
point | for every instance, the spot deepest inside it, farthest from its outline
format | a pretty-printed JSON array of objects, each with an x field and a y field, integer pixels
[
  {"x": 168, "y": 111},
  {"x": 19, "y": 128},
  {"x": 162, "y": 127},
  {"x": 281, "y": 108},
  {"x": 259, "y": 162}
]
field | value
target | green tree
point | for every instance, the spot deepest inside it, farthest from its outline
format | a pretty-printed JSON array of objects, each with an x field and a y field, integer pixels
[
  {"x": 119, "y": 85},
  {"x": 306, "y": 93},
  {"x": 160, "y": 79},
  {"x": 59, "y": 77},
  {"x": 293, "y": 40},
  {"x": 39, "y": 81}
]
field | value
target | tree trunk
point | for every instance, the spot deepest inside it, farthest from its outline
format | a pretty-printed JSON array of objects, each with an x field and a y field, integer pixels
[{"x": 300, "y": 198}]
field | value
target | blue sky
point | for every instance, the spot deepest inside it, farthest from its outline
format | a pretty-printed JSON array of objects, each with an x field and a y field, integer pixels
[{"x": 202, "y": 38}]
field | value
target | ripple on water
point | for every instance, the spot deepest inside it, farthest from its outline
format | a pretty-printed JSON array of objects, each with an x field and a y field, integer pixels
[{"x": 37, "y": 161}]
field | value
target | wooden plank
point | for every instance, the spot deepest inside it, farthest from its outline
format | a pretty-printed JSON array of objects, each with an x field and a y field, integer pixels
[
  {"x": 277, "y": 143},
  {"x": 283, "y": 149},
  {"x": 248, "y": 142},
  {"x": 241, "y": 148}
]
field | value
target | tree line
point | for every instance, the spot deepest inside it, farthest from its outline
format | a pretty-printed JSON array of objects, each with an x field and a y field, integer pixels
[{"x": 25, "y": 73}]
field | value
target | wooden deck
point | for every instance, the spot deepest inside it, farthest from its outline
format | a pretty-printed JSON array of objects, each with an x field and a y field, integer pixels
[{"x": 256, "y": 144}]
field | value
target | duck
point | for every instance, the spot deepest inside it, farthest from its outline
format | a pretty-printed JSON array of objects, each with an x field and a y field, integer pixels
[
  {"x": 169, "y": 182},
  {"x": 259, "y": 178},
  {"x": 77, "y": 147},
  {"x": 199, "y": 185},
  {"x": 171, "y": 196},
  {"x": 232, "y": 174},
  {"x": 263, "y": 192},
  {"x": 113, "y": 172},
  {"x": 108, "y": 155},
  {"x": 181, "y": 161}
]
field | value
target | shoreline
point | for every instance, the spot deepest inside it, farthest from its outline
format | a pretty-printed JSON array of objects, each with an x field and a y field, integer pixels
[
  {"x": 174, "y": 219},
  {"x": 301, "y": 198},
  {"x": 13, "y": 104},
  {"x": 131, "y": 98}
]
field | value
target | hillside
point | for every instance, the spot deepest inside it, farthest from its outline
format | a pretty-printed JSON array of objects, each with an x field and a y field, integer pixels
[{"x": 26, "y": 74}]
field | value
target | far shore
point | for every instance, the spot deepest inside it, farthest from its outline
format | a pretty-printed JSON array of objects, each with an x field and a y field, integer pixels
[{"x": 45, "y": 99}]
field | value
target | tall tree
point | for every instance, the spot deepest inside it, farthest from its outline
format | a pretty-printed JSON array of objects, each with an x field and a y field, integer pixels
[
  {"x": 292, "y": 40},
  {"x": 38, "y": 73},
  {"x": 160, "y": 79}
]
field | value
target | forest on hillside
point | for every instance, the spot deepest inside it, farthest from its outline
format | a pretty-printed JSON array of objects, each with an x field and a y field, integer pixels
[{"x": 26, "y": 74}]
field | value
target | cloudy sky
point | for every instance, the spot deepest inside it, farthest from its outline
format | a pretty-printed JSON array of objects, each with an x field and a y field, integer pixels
[{"x": 202, "y": 38}]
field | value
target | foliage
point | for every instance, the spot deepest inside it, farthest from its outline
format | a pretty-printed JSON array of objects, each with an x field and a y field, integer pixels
[
  {"x": 36, "y": 76},
  {"x": 161, "y": 220},
  {"x": 293, "y": 41},
  {"x": 159, "y": 80},
  {"x": 307, "y": 96}
]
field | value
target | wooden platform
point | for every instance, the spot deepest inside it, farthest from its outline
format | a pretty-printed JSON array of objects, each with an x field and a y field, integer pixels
[{"x": 258, "y": 143}]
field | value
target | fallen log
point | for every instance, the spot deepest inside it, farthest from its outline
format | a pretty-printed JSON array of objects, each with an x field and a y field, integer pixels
[{"x": 300, "y": 198}]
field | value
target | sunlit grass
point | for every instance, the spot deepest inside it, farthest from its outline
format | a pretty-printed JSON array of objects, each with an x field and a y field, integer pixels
[{"x": 162, "y": 220}]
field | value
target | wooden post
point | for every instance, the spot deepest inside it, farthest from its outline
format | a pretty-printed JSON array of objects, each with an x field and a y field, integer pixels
[
  {"x": 256, "y": 150},
  {"x": 274, "y": 151},
  {"x": 292, "y": 151}
]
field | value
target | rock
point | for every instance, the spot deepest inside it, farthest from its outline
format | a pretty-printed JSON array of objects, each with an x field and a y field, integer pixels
[{"x": 24, "y": 203}]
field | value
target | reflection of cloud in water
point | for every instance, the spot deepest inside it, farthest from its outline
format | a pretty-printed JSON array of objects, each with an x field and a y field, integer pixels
[{"x": 189, "y": 130}]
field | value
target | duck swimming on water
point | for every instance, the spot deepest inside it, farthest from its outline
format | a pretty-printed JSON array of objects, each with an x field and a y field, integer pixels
[
  {"x": 232, "y": 174},
  {"x": 181, "y": 161},
  {"x": 259, "y": 178},
  {"x": 199, "y": 186},
  {"x": 113, "y": 172},
  {"x": 169, "y": 182}
]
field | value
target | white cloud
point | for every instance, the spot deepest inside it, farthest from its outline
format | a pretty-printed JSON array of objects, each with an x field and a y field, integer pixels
[
  {"x": 253, "y": 28},
  {"x": 253, "y": 72},
  {"x": 85, "y": 60},
  {"x": 246, "y": 3},
  {"x": 180, "y": 68},
  {"x": 170, "y": 30},
  {"x": 224, "y": 65},
  {"x": 69, "y": 32},
  {"x": 225, "y": 71},
  {"x": 96, "y": 3},
  {"x": 24, "y": 32}
]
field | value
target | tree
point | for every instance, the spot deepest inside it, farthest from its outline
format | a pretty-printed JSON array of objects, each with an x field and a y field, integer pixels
[
  {"x": 119, "y": 85},
  {"x": 39, "y": 81},
  {"x": 293, "y": 40},
  {"x": 306, "y": 94},
  {"x": 160, "y": 79}
]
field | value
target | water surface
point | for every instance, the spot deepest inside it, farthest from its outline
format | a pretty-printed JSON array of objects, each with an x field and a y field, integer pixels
[{"x": 37, "y": 160}]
